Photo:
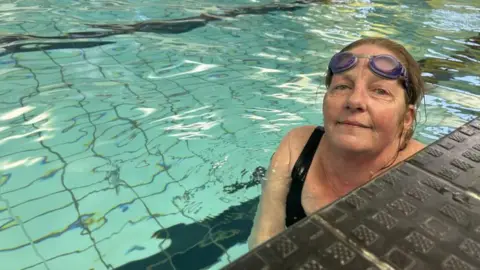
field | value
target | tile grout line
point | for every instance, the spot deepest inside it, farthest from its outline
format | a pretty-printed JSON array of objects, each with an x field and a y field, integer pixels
[
  {"x": 9, "y": 209},
  {"x": 19, "y": 221}
]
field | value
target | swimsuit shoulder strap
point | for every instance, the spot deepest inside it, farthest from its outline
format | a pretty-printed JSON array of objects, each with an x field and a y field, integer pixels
[
  {"x": 294, "y": 208},
  {"x": 302, "y": 165}
]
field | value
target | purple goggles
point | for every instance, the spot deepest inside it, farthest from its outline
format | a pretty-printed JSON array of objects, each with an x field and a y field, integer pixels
[{"x": 383, "y": 65}]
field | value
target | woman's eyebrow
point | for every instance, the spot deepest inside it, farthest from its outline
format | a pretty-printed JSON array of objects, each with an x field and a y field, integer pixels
[
  {"x": 346, "y": 76},
  {"x": 375, "y": 79},
  {"x": 372, "y": 79}
]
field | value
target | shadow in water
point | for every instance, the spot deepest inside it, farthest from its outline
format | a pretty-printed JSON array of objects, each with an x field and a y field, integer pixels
[
  {"x": 43, "y": 46},
  {"x": 175, "y": 26},
  {"x": 201, "y": 244},
  {"x": 255, "y": 179},
  {"x": 460, "y": 63}
]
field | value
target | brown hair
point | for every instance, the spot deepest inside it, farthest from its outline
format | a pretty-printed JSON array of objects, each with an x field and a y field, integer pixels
[{"x": 416, "y": 85}]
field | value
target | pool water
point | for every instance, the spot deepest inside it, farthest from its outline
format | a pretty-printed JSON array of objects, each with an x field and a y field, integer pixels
[{"x": 130, "y": 143}]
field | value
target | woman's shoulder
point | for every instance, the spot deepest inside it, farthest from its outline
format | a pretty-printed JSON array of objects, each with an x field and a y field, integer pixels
[
  {"x": 287, "y": 152},
  {"x": 293, "y": 142},
  {"x": 412, "y": 148},
  {"x": 300, "y": 132},
  {"x": 298, "y": 136},
  {"x": 416, "y": 145}
]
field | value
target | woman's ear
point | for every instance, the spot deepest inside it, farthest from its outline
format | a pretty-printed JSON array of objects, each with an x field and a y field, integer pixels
[
  {"x": 407, "y": 129},
  {"x": 409, "y": 117}
]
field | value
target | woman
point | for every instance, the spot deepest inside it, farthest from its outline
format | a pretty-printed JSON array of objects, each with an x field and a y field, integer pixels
[{"x": 374, "y": 88}]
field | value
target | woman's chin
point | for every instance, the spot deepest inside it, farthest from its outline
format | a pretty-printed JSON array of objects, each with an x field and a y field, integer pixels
[{"x": 352, "y": 143}]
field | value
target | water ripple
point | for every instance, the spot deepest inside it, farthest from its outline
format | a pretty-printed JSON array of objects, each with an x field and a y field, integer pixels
[{"x": 179, "y": 115}]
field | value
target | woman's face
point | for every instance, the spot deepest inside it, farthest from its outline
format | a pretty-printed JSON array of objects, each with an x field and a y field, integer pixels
[{"x": 364, "y": 112}]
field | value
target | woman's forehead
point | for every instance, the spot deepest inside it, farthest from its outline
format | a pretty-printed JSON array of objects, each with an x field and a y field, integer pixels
[{"x": 370, "y": 49}]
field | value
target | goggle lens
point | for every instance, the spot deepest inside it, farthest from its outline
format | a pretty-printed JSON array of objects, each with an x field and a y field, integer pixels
[{"x": 385, "y": 64}]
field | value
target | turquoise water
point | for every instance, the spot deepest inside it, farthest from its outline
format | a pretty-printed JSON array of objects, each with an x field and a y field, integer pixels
[{"x": 107, "y": 140}]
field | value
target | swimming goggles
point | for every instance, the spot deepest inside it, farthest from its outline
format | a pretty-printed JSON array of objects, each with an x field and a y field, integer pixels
[{"x": 384, "y": 65}]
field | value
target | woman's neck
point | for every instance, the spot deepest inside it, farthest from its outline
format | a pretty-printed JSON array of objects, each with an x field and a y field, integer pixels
[{"x": 345, "y": 170}]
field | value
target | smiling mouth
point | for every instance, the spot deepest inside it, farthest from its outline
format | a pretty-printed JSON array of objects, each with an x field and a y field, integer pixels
[{"x": 353, "y": 124}]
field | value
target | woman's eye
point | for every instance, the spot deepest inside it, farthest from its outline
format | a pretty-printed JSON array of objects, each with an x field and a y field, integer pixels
[
  {"x": 341, "y": 87},
  {"x": 381, "y": 91}
]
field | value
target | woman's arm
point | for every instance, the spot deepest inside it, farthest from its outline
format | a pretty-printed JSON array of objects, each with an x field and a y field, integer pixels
[{"x": 270, "y": 217}]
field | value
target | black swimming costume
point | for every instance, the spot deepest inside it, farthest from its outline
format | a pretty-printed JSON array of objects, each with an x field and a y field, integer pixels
[{"x": 294, "y": 209}]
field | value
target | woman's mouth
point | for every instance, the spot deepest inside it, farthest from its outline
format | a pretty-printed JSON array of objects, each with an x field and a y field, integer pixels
[{"x": 354, "y": 123}]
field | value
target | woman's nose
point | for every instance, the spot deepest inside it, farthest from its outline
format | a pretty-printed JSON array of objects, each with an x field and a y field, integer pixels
[{"x": 357, "y": 99}]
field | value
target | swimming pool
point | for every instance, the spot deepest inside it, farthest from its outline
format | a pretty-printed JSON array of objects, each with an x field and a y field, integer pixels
[{"x": 122, "y": 120}]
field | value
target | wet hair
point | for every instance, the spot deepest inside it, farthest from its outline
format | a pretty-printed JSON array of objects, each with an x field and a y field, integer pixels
[{"x": 416, "y": 85}]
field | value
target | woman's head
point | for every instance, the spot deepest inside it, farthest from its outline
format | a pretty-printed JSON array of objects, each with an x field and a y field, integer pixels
[
  {"x": 416, "y": 88},
  {"x": 385, "y": 107}
]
